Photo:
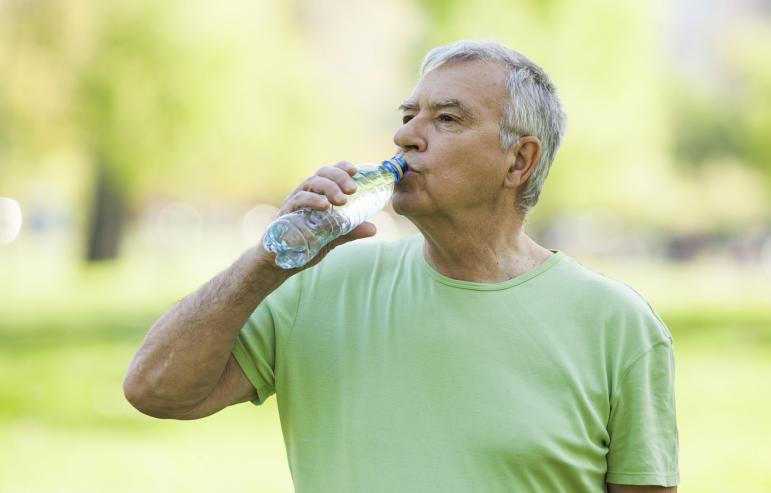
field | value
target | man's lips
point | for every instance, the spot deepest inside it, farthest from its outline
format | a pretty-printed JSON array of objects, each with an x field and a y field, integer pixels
[
  {"x": 410, "y": 168},
  {"x": 410, "y": 173}
]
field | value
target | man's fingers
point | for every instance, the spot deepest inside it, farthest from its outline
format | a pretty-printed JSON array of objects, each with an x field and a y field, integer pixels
[
  {"x": 341, "y": 174},
  {"x": 327, "y": 187},
  {"x": 305, "y": 199},
  {"x": 363, "y": 230},
  {"x": 332, "y": 182},
  {"x": 346, "y": 166}
]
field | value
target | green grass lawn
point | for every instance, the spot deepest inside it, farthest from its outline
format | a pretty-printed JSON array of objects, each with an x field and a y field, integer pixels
[
  {"x": 65, "y": 426},
  {"x": 67, "y": 337}
]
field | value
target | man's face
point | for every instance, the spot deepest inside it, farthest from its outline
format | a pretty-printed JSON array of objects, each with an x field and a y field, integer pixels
[{"x": 451, "y": 139}]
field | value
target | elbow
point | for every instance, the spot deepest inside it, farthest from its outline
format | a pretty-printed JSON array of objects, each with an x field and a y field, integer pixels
[
  {"x": 142, "y": 398},
  {"x": 137, "y": 396}
]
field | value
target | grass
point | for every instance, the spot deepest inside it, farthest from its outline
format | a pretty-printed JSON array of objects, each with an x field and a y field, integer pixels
[
  {"x": 66, "y": 337},
  {"x": 65, "y": 425}
]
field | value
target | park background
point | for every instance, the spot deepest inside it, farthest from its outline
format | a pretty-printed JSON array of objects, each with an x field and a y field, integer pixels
[{"x": 144, "y": 145}]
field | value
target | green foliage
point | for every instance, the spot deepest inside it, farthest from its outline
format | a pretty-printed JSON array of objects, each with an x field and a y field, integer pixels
[
  {"x": 139, "y": 92},
  {"x": 704, "y": 129},
  {"x": 124, "y": 84},
  {"x": 728, "y": 116},
  {"x": 174, "y": 97}
]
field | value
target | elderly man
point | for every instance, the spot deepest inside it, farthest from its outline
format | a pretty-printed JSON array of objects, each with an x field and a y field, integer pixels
[{"x": 466, "y": 358}]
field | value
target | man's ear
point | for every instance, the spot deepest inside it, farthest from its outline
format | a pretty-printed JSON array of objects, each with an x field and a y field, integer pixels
[{"x": 522, "y": 159}]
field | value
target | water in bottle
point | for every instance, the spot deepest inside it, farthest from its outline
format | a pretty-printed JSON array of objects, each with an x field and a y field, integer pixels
[{"x": 297, "y": 237}]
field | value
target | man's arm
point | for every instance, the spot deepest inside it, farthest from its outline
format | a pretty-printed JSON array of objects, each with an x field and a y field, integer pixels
[
  {"x": 625, "y": 488},
  {"x": 184, "y": 368},
  {"x": 185, "y": 359}
]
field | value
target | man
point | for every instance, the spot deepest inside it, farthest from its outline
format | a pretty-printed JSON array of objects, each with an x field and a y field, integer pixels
[{"x": 467, "y": 358}]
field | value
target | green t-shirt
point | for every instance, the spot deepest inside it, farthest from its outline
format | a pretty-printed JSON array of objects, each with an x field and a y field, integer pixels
[{"x": 391, "y": 377}]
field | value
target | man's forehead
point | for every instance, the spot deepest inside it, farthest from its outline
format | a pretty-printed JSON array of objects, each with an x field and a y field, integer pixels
[{"x": 465, "y": 85}]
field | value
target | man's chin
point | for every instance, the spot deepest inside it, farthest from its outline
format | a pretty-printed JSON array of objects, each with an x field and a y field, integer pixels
[
  {"x": 398, "y": 208},
  {"x": 400, "y": 203},
  {"x": 404, "y": 204}
]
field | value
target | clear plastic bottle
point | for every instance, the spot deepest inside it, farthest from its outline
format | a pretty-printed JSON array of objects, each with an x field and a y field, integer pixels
[{"x": 297, "y": 237}]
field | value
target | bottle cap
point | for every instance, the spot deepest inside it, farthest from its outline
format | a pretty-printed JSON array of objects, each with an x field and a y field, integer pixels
[{"x": 396, "y": 165}]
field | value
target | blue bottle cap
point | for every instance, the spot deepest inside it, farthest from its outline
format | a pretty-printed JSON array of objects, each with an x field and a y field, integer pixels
[{"x": 396, "y": 165}]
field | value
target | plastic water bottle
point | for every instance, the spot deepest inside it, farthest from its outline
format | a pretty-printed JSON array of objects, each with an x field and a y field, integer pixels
[{"x": 297, "y": 237}]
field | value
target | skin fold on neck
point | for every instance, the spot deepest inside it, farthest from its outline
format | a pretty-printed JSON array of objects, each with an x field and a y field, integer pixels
[{"x": 479, "y": 249}]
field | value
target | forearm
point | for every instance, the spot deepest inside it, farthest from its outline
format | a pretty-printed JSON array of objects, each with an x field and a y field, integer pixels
[{"x": 185, "y": 352}]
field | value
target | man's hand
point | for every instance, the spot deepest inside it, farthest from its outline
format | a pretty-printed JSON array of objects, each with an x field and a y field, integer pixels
[{"x": 329, "y": 186}]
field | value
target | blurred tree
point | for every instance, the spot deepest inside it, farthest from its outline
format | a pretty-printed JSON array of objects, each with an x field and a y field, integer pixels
[
  {"x": 215, "y": 99},
  {"x": 119, "y": 80},
  {"x": 730, "y": 116},
  {"x": 138, "y": 97},
  {"x": 115, "y": 77}
]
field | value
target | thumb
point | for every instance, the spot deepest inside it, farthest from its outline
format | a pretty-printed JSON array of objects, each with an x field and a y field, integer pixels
[{"x": 363, "y": 230}]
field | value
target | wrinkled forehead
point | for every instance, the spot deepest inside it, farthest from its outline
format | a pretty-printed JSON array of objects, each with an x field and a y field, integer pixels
[{"x": 479, "y": 85}]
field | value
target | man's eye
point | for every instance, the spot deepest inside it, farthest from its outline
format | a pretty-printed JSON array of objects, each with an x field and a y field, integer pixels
[
  {"x": 446, "y": 118},
  {"x": 406, "y": 118}
]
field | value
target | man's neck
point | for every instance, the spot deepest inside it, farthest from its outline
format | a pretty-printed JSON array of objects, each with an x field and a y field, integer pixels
[{"x": 479, "y": 250}]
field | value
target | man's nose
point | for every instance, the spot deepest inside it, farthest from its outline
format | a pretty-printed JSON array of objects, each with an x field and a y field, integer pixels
[{"x": 410, "y": 138}]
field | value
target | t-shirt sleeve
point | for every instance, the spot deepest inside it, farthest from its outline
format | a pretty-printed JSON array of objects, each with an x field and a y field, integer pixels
[
  {"x": 257, "y": 346},
  {"x": 643, "y": 447}
]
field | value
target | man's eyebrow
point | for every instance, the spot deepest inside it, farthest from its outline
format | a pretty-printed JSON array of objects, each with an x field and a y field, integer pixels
[
  {"x": 408, "y": 106},
  {"x": 445, "y": 103}
]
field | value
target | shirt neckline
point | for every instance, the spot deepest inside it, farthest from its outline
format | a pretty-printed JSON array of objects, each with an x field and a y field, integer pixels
[{"x": 554, "y": 259}]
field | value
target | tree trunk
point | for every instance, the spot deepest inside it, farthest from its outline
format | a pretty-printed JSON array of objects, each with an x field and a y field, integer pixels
[{"x": 107, "y": 216}]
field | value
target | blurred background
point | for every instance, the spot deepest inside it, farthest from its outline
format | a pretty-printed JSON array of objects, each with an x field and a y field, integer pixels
[{"x": 144, "y": 145}]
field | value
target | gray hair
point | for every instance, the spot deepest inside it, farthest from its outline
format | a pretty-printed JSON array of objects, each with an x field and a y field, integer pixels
[{"x": 533, "y": 108}]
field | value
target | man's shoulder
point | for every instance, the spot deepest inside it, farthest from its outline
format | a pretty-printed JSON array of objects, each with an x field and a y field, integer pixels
[
  {"x": 578, "y": 277},
  {"x": 608, "y": 296}
]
